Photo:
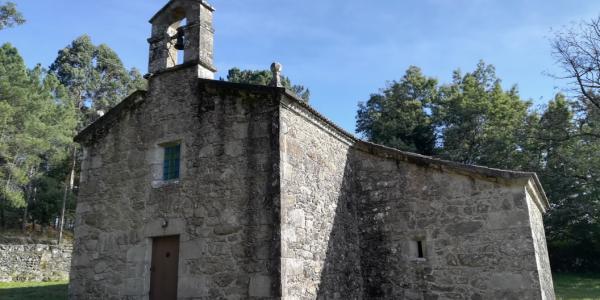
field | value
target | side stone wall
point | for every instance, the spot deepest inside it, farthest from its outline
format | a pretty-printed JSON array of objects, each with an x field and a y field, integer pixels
[
  {"x": 34, "y": 262},
  {"x": 541, "y": 250},
  {"x": 320, "y": 253},
  {"x": 476, "y": 234},
  {"x": 273, "y": 202},
  {"x": 353, "y": 216}
]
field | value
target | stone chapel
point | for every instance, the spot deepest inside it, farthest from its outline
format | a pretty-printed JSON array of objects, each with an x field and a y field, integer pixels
[{"x": 205, "y": 189}]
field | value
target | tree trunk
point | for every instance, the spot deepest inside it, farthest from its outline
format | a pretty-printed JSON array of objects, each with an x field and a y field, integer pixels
[
  {"x": 3, "y": 204},
  {"x": 2, "y": 218},
  {"x": 33, "y": 206},
  {"x": 26, "y": 209},
  {"x": 68, "y": 187},
  {"x": 28, "y": 197},
  {"x": 24, "y": 223}
]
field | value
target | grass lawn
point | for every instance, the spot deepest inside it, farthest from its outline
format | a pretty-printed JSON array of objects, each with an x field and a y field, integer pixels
[
  {"x": 568, "y": 286},
  {"x": 33, "y": 291},
  {"x": 577, "y": 286}
]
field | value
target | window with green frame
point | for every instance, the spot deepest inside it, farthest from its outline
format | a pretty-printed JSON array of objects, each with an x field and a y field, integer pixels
[{"x": 171, "y": 162}]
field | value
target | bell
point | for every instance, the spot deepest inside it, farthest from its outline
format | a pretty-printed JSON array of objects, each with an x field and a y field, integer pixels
[{"x": 180, "y": 45}]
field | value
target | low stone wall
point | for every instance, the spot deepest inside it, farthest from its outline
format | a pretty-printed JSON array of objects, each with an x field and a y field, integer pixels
[{"x": 34, "y": 262}]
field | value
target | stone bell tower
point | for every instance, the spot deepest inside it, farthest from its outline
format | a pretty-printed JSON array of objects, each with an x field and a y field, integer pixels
[{"x": 182, "y": 34}]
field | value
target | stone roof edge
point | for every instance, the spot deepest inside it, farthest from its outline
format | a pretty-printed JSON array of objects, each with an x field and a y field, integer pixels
[
  {"x": 112, "y": 114},
  {"x": 203, "y": 2},
  {"x": 538, "y": 195},
  {"x": 374, "y": 149},
  {"x": 245, "y": 86},
  {"x": 133, "y": 99},
  {"x": 387, "y": 152}
]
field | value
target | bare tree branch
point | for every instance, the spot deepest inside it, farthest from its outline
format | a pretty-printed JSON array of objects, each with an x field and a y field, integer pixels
[{"x": 577, "y": 50}]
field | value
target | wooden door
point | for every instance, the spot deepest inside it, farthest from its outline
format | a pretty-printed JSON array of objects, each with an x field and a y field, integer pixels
[{"x": 163, "y": 271}]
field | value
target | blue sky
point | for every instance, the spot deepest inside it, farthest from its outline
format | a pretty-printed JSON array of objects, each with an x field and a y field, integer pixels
[{"x": 342, "y": 50}]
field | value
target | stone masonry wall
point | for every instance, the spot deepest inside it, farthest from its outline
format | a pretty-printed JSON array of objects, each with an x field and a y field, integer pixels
[
  {"x": 34, "y": 262},
  {"x": 273, "y": 202},
  {"x": 318, "y": 227},
  {"x": 476, "y": 234},
  {"x": 541, "y": 250},
  {"x": 224, "y": 207},
  {"x": 352, "y": 216}
]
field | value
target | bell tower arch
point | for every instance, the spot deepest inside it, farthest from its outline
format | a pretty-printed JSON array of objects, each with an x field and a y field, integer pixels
[{"x": 183, "y": 26}]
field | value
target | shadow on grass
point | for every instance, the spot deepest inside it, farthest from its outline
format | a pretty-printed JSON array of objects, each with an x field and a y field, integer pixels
[
  {"x": 33, "y": 291},
  {"x": 577, "y": 286}
]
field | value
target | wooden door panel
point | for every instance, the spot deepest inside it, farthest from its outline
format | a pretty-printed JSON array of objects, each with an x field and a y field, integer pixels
[{"x": 164, "y": 268}]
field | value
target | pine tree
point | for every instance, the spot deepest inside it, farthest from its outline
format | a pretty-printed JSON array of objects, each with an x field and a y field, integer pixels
[
  {"x": 399, "y": 116},
  {"x": 10, "y": 16},
  {"x": 95, "y": 77},
  {"x": 479, "y": 121},
  {"x": 35, "y": 131}
]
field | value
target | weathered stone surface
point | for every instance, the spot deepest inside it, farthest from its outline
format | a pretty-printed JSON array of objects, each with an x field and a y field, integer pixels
[
  {"x": 276, "y": 202},
  {"x": 463, "y": 228},
  {"x": 198, "y": 37},
  {"x": 319, "y": 239},
  {"x": 224, "y": 207},
  {"x": 34, "y": 262}
]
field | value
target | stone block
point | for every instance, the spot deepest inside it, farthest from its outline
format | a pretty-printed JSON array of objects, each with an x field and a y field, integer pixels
[
  {"x": 193, "y": 287},
  {"x": 260, "y": 286},
  {"x": 137, "y": 254},
  {"x": 463, "y": 228},
  {"x": 508, "y": 219}
]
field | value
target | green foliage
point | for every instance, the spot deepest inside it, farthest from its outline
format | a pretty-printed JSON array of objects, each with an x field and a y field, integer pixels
[
  {"x": 50, "y": 189},
  {"x": 40, "y": 112},
  {"x": 478, "y": 120},
  {"x": 577, "y": 286},
  {"x": 570, "y": 171},
  {"x": 95, "y": 77},
  {"x": 36, "y": 128},
  {"x": 398, "y": 115},
  {"x": 10, "y": 16},
  {"x": 12, "y": 195},
  {"x": 473, "y": 120},
  {"x": 264, "y": 77}
]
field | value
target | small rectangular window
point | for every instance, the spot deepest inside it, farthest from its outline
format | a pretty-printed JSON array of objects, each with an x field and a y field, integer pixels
[
  {"x": 420, "y": 253},
  {"x": 171, "y": 162}
]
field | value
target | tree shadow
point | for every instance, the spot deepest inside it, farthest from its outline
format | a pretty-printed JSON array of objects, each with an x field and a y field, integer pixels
[
  {"x": 359, "y": 261},
  {"x": 341, "y": 274}
]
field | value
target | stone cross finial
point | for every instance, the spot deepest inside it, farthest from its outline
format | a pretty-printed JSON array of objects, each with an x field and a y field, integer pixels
[{"x": 276, "y": 70}]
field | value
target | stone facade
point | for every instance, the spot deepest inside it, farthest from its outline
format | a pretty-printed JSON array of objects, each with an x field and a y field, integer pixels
[
  {"x": 353, "y": 213},
  {"x": 319, "y": 231},
  {"x": 34, "y": 262},
  {"x": 476, "y": 234},
  {"x": 274, "y": 201},
  {"x": 224, "y": 206}
]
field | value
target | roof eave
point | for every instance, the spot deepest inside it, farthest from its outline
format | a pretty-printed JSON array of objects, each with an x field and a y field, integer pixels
[
  {"x": 381, "y": 150},
  {"x": 127, "y": 103}
]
